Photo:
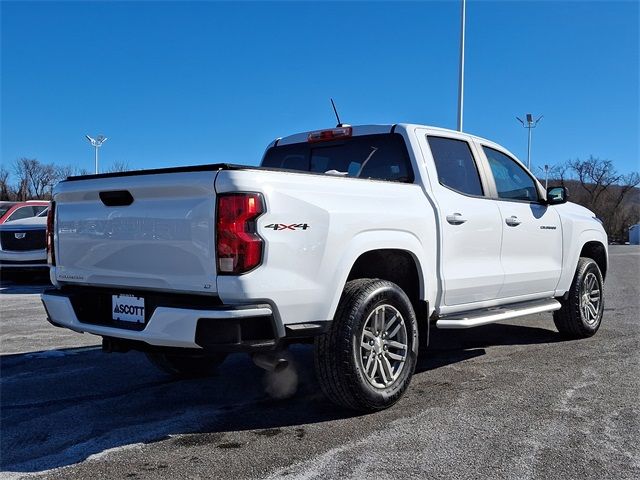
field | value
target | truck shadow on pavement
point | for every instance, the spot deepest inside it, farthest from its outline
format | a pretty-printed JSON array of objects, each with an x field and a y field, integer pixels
[
  {"x": 60, "y": 407},
  {"x": 453, "y": 346},
  {"x": 19, "y": 283}
]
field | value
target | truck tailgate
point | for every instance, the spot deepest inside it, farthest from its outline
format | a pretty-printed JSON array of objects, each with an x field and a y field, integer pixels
[{"x": 140, "y": 231}]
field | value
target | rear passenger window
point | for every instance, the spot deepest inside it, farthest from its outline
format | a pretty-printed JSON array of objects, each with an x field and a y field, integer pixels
[{"x": 456, "y": 167}]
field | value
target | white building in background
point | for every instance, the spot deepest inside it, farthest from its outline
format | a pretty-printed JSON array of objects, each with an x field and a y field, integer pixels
[{"x": 634, "y": 234}]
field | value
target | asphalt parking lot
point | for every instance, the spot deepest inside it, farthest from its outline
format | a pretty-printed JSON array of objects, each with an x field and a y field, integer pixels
[{"x": 509, "y": 400}]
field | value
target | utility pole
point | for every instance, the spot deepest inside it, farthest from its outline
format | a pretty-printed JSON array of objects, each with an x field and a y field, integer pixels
[
  {"x": 529, "y": 124},
  {"x": 461, "y": 68},
  {"x": 546, "y": 175},
  {"x": 96, "y": 143}
]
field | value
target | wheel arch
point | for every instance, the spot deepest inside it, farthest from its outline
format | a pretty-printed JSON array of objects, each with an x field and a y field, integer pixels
[
  {"x": 394, "y": 253},
  {"x": 395, "y": 265},
  {"x": 596, "y": 251},
  {"x": 589, "y": 243}
]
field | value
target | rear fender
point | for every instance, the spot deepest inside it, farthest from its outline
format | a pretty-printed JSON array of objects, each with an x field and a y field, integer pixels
[{"x": 379, "y": 240}]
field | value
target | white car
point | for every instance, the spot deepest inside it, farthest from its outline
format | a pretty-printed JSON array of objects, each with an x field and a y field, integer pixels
[
  {"x": 350, "y": 237},
  {"x": 23, "y": 243}
]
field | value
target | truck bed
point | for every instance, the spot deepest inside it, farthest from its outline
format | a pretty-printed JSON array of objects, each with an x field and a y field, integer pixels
[{"x": 211, "y": 167}]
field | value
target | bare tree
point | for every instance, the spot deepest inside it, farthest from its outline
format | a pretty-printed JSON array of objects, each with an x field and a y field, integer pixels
[
  {"x": 605, "y": 191},
  {"x": 595, "y": 176},
  {"x": 118, "y": 166},
  {"x": 5, "y": 189},
  {"x": 43, "y": 179},
  {"x": 560, "y": 172},
  {"x": 64, "y": 171},
  {"x": 19, "y": 168},
  {"x": 627, "y": 183},
  {"x": 34, "y": 178}
]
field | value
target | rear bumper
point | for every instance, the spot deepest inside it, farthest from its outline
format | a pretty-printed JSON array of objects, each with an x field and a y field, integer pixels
[
  {"x": 224, "y": 328},
  {"x": 25, "y": 259}
]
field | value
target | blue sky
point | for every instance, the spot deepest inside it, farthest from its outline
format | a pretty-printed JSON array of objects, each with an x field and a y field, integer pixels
[{"x": 188, "y": 83}]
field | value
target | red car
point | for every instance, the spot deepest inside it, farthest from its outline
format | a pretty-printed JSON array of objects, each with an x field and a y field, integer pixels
[{"x": 10, "y": 211}]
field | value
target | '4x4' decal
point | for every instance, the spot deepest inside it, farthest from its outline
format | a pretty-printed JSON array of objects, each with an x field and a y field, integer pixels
[{"x": 283, "y": 226}]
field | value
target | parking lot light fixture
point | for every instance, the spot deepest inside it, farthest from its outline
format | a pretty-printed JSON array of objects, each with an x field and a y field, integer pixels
[
  {"x": 546, "y": 175},
  {"x": 529, "y": 124},
  {"x": 96, "y": 143}
]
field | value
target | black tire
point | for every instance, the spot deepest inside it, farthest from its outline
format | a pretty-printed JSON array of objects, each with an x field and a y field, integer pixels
[
  {"x": 187, "y": 366},
  {"x": 572, "y": 321},
  {"x": 339, "y": 360}
]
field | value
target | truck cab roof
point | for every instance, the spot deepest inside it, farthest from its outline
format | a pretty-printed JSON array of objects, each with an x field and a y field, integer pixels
[{"x": 372, "y": 129}]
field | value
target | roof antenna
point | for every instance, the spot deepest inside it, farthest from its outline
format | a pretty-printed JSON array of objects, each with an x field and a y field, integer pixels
[{"x": 335, "y": 110}]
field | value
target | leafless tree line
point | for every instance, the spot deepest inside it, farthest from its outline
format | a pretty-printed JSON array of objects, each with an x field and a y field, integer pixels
[
  {"x": 596, "y": 184},
  {"x": 33, "y": 179}
]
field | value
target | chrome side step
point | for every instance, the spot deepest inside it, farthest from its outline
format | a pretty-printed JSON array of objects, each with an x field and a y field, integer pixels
[{"x": 476, "y": 318}]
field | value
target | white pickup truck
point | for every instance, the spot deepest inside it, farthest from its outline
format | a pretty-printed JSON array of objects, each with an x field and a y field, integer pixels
[{"x": 354, "y": 238}]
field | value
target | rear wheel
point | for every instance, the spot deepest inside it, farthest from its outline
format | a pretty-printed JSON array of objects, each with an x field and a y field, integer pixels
[
  {"x": 367, "y": 358},
  {"x": 187, "y": 366},
  {"x": 581, "y": 312}
]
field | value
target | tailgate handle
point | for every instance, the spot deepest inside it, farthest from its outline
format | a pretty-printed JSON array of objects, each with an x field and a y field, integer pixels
[{"x": 116, "y": 198}]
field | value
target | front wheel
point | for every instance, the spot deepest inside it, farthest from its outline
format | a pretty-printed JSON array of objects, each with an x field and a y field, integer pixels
[
  {"x": 581, "y": 312},
  {"x": 367, "y": 358},
  {"x": 187, "y": 366}
]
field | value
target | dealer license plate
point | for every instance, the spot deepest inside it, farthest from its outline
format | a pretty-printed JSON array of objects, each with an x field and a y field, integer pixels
[{"x": 127, "y": 308}]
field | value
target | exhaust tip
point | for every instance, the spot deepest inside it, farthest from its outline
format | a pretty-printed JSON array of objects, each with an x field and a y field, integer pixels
[
  {"x": 281, "y": 364},
  {"x": 270, "y": 362}
]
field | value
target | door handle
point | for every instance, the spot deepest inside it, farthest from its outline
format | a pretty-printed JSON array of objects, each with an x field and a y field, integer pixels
[
  {"x": 456, "y": 219},
  {"x": 513, "y": 221}
]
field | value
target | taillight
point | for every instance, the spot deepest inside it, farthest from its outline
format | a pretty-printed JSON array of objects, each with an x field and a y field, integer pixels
[
  {"x": 327, "y": 135},
  {"x": 51, "y": 216},
  {"x": 238, "y": 246}
]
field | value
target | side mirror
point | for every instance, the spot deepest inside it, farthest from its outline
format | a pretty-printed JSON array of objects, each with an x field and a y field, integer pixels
[{"x": 557, "y": 195}]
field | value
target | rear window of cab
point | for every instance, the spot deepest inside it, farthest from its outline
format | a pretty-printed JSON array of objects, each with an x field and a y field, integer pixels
[{"x": 377, "y": 157}]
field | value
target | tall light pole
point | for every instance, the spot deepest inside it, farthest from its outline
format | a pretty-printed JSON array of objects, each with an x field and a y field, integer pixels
[
  {"x": 97, "y": 143},
  {"x": 529, "y": 125},
  {"x": 461, "y": 68}
]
